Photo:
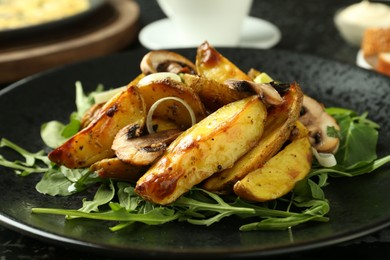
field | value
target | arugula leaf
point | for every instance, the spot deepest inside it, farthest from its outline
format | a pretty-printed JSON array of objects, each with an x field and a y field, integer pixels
[
  {"x": 31, "y": 163},
  {"x": 54, "y": 183},
  {"x": 84, "y": 101},
  {"x": 103, "y": 195},
  {"x": 64, "y": 182},
  {"x": 55, "y": 133},
  {"x": 156, "y": 216},
  {"x": 358, "y": 138}
]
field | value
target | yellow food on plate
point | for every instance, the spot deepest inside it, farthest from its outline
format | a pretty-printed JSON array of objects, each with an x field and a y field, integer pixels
[{"x": 21, "y": 13}]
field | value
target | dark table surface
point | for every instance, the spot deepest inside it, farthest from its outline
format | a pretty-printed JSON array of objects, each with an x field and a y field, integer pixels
[{"x": 307, "y": 27}]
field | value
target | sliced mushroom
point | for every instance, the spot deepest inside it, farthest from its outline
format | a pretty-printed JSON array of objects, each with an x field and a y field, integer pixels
[
  {"x": 166, "y": 61},
  {"x": 145, "y": 149},
  {"x": 317, "y": 121},
  {"x": 265, "y": 90}
]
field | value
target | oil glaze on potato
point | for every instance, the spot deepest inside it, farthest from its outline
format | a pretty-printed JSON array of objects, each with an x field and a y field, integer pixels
[
  {"x": 211, "y": 145},
  {"x": 93, "y": 143}
]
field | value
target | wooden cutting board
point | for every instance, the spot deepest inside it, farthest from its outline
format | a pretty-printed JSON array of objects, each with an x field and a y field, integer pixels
[{"x": 111, "y": 28}]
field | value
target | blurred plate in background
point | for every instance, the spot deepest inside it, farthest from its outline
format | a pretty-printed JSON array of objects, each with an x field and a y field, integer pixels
[{"x": 29, "y": 29}]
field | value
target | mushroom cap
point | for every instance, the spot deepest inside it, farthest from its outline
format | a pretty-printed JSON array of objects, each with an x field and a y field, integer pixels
[
  {"x": 166, "y": 61},
  {"x": 317, "y": 121}
]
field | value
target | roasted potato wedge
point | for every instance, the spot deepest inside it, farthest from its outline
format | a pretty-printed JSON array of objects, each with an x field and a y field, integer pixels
[
  {"x": 213, "y": 65},
  {"x": 116, "y": 169},
  {"x": 90, "y": 115},
  {"x": 212, "y": 145},
  {"x": 93, "y": 143},
  {"x": 213, "y": 93},
  {"x": 279, "y": 174},
  {"x": 279, "y": 123},
  {"x": 173, "y": 110}
]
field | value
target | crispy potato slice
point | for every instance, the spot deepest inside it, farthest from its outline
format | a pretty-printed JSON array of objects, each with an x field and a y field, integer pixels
[
  {"x": 279, "y": 174},
  {"x": 213, "y": 65},
  {"x": 213, "y": 93},
  {"x": 279, "y": 123},
  {"x": 211, "y": 145},
  {"x": 93, "y": 143},
  {"x": 90, "y": 115},
  {"x": 114, "y": 168},
  {"x": 173, "y": 110}
]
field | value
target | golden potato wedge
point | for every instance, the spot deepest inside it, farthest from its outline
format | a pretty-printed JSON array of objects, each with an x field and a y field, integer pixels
[
  {"x": 209, "y": 146},
  {"x": 279, "y": 174},
  {"x": 212, "y": 93},
  {"x": 213, "y": 65},
  {"x": 172, "y": 110},
  {"x": 93, "y": 143},
  {"x": 114, "y": 168},
  {"x": 279, "y": 123},
  {"x": 90, "y": 115}
]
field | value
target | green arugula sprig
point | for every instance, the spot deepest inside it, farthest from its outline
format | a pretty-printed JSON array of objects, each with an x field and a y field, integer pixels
[{"x": 34, "y": 162}]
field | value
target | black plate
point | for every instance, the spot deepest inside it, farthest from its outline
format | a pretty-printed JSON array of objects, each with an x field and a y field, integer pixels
[
  {"x": 47, "y": 27},
  {"x": 359, "y": 205}
]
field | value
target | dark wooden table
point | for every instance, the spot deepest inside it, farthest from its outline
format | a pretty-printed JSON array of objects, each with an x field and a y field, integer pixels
[{"x": 307, "y": 27}]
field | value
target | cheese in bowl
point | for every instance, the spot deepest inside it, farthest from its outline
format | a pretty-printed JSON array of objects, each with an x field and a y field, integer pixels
[{"x": 22, "y": 13}]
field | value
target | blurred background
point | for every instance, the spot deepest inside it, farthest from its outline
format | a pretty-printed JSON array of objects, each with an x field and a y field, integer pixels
[{"x": 32, "y": 44}]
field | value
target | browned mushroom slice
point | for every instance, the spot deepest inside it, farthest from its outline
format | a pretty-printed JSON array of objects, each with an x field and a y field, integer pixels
[
  {"x": 166, "y": 61},
  {"x": 317, "y": 121},
  {"x": 266, "y": 91},
  {"x": 142, "y": 150}
]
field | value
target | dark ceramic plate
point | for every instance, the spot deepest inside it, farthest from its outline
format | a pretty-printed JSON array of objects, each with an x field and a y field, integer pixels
[
  {"x": 49, "y": 26},
  {"x": 359, "y": 205}
]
